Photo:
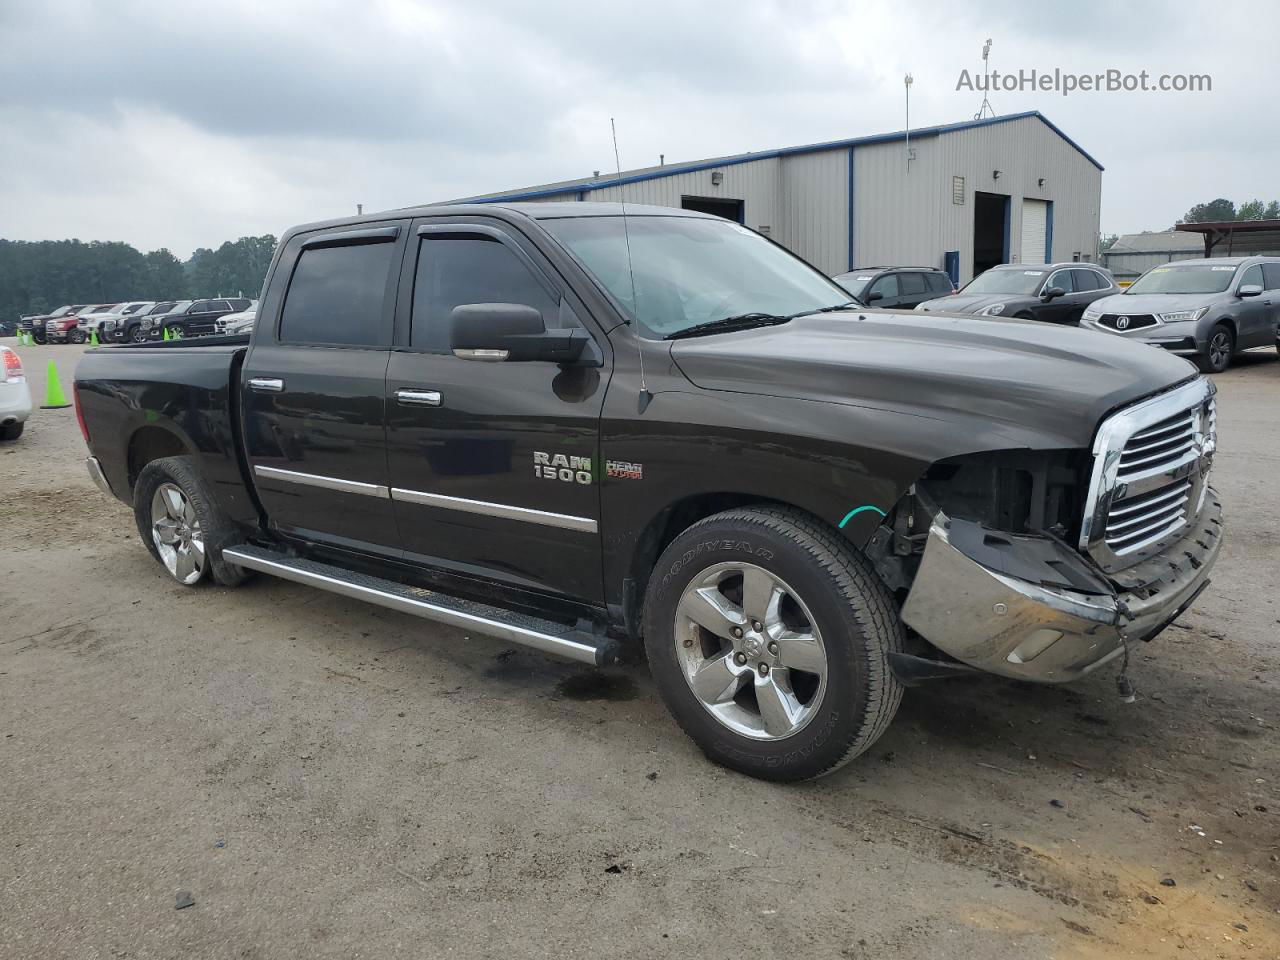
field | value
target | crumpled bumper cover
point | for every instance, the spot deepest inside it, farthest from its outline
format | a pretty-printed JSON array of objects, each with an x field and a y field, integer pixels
[{"x": 1005, "y": 625}]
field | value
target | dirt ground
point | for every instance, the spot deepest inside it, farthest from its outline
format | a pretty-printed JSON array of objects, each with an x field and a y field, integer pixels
[{"x": 328, "y": 779}]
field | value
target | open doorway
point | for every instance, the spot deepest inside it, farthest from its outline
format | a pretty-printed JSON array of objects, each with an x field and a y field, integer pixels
[
  {"x": 720, "y": 206},
  {"x": 990, "y": 230}
]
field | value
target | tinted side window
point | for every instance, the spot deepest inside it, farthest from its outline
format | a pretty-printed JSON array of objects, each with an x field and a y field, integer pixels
[
  {"x": 1084, "y": 280},
  {"x": 939, "y": 282},
  {"x": 1271, "y": 272},
  {"x": 200, "y": 306},
  {"x": 887, "y": 285},
  {"x": 1061, "y": 279},
  {"x": 474, "y": 268},
  {"x": 1252, "y": 275},
  {"x": 336, "y": 295},
  {"x": 219, "y": 306},
  {"x": 910, "y": 283}
]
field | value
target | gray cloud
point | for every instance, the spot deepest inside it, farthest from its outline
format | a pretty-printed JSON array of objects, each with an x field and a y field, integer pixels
[{"x": 182, "y": 124}]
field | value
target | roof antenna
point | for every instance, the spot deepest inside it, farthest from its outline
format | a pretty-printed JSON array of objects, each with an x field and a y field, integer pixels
[
  {"x": 645, "y": 395},
  {"x": 986, "y": 107}
]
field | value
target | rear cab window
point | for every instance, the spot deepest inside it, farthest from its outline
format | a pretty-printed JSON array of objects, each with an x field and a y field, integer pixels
[{"x": 340, "y": 289}]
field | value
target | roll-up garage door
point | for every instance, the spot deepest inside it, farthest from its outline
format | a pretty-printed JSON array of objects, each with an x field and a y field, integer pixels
[{"x": 1034, "y": 222}]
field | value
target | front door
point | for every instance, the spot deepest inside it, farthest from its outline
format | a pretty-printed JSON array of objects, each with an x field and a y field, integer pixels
[
  {"x": 1254, "y": 314},
  {"x": 313, "y": 388},
  {"x": 1060, "y": 309},
  {"x": 494, "y": 467}
]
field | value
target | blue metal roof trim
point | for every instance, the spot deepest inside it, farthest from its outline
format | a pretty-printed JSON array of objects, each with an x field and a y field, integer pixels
[{"x": 697, "y": 166}]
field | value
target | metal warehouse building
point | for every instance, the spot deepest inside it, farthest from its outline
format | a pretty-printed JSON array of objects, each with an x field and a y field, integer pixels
[{"x": 964, "y": 196}]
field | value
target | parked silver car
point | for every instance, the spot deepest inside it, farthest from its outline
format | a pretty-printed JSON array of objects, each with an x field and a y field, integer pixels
[{"x": 1205, "y": 310}]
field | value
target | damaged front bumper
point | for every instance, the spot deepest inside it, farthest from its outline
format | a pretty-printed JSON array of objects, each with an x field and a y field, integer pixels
[{"x": 969, "y": 601}]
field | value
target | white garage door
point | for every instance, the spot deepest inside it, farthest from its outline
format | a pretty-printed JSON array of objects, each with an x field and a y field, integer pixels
[{"x": 1034, "y": 222}]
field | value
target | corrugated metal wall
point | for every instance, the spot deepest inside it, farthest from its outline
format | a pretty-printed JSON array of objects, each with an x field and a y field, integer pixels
[
  {"x": 815, "y": 208},
  {"x": 911, "y": 218},
  {"x": 755, "y": 183}
]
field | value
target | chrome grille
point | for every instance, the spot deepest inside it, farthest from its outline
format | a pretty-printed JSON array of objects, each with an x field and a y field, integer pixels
[{"x": 1150, "y": 475}]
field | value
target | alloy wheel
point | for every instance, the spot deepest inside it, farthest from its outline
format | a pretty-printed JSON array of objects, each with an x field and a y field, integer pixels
[
  {"x": 750, "y": 651},
  {"x": 175, "y": 530},
  {"x": 1219, "y": 349}
]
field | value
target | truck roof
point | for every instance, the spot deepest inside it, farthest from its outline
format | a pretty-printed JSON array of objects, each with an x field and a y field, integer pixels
[{"x": 534, "y": 210}]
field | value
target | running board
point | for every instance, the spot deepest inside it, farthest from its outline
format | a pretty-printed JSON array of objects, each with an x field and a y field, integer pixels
[{"x": 545, "y": 635}]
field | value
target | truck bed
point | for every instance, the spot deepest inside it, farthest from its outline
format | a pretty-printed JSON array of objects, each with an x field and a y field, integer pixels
[{"x": 172, "y": 398}]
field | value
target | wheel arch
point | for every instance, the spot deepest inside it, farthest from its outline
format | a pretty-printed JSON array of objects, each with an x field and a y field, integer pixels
[
  {"x": 153, "y": 442},
  {"x": 667, "y": 524}
]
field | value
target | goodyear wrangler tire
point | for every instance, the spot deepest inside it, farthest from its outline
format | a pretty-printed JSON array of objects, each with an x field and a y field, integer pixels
[
  {"x": 769, "y": 639},
  {"x": 182, "y": 525}
]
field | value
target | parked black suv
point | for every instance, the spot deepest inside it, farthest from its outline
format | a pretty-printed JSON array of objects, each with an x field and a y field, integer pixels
[
  {"x": 895, "y": 288},
  {"x": 1053, "y": 292},
  {"x": 583, "y": 432},
  {"x": 195, "y": 318}
]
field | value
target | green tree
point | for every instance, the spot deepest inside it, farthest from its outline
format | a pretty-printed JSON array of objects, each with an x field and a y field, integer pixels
[
  {"x": 1213, "y": 211},
  {"x": 1107, "y": 242}
]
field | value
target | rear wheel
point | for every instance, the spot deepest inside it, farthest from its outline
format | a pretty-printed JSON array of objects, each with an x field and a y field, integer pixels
[
  {"x": 11, "y": 430},
  {"x": 1219, "y": 351},
  {"x": 181, "y": 523},
  {"x": 769, "y": 639}
]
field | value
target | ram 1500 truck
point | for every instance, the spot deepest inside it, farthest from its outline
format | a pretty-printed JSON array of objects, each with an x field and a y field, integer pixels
[{"x": 587, "y": 429}]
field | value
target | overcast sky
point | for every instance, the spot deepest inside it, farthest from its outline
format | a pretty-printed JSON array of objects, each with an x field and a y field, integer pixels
[{"x": 182, "y": 124}]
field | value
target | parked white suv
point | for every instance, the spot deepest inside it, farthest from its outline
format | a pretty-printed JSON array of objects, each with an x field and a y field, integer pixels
[
  {"x": 110, "y": 324},
  {"x": 15, "y": 396}
]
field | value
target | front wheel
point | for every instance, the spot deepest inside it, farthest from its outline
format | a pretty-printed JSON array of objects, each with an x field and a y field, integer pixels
[
  {"x": 1221, "y": 347},
  {"x": 769, "y": 639},
  {"x": 136, "y": 334},
  {"x": 181, "y": 523},
  {"x": 76, "y": 336}
]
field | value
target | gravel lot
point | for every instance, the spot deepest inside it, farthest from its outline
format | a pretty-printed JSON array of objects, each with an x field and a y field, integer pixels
[{"x": 329, "y": 779}]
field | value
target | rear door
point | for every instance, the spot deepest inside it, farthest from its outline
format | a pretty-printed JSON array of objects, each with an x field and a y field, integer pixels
[
  {"x": 313, "y": 387},
  {"x": 1271, "y": 286},
  {"x": 913, "y": 289},
  {"x": 494, "y": 467}
]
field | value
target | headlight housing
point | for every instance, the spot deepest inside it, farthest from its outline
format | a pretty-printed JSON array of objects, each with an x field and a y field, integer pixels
[
  {"x": 1091, "y": 313},
  {"x": 994, "y": 310},
  {"x": 1178, "y": 316}
]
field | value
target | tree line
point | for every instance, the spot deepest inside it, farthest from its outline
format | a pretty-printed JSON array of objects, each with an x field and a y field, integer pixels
[
  {"x": 1221, "y": 209},
  {"x": 39, "y": 276}
]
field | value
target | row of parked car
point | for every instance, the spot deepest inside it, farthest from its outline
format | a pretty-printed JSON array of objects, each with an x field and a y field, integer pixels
[
  {"x": 138, "y": 321},
  {"x": 1204, "y": 310}
]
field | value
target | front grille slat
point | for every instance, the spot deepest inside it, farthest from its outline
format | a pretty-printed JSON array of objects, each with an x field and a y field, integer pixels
[
  {"x": 1149, "y": 502},
  {"x": 1160, "y": 445}
]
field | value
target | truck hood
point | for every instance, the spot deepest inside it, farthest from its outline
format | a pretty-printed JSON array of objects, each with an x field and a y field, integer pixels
[{"x": 1041, "y": 380}]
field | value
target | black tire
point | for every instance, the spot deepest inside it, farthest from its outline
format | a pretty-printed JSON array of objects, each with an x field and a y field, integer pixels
[
  {"x": 849, "y": 605},
  {"x": 1219, "y": 351},
  {"x": 11, "y": 431},
  {"x": 39, "y": 339},
  {"x": 135, "y": 334},
  {"x": 218, "y": 531},
  {"x": 76, "y": 336}
]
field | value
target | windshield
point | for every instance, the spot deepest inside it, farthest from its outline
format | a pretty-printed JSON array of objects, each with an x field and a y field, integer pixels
[
  {"x": 689, "y": 270},
  {"x": 1201, "y": 278},
  {"x": 162, "y": 307},
  {"x": 133, "y": 308},
  {"x": 1025, "y": 282},
  {"x": 60, "y": 312},
  {"x": 855, "y": 282}
]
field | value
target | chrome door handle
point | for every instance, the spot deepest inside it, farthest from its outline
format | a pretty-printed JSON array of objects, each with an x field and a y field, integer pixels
[
  {"x": 266, "y": 384},
  {"x": 418, "y": 398}
]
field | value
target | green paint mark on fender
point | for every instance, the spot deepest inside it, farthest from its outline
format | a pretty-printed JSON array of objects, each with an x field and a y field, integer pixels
[{"x": 857, "y": 510}]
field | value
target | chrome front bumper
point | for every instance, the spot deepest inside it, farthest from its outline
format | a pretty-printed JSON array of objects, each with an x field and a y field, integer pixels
[{"x": 1009, "y": 626}]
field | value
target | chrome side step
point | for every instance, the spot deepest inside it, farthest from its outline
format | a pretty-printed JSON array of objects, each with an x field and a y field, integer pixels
[{"x": 545, "y": 635}]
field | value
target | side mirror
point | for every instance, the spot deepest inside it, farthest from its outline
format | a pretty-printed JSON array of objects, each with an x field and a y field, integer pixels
[
  {"x": 498, "y": 332},
  {"x": 1249, "y": 290},
  {"x": 1052, "y": 293},
  {"x": 874, "y": 296}
]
